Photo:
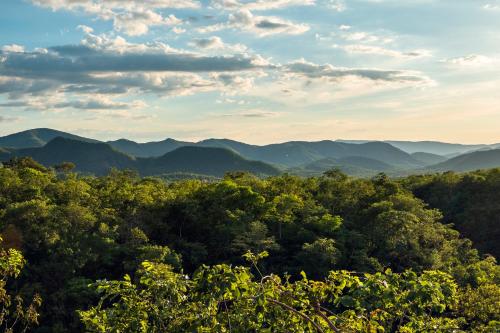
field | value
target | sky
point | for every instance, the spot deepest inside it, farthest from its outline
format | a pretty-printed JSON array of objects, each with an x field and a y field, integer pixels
[{"x": 258, "y": 71}]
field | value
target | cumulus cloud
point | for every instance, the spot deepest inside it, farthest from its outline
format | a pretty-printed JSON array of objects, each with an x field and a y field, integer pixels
[
  {"x": 364, "y": 37},
  {"x": 99, "y": 103},
  {"x": 63, "y": 62},
  {"x": 337, "y": 5},
  {"x": 133, "y": 17},
  {"x": 259, "y": 25},
  {"x": 332, "y": 74},
  {"x": 107, "y": 65},
  {"x": 99, "y": 72},
  {"x": 13, "y": 48},
  {"x": 216, "y": 43}
]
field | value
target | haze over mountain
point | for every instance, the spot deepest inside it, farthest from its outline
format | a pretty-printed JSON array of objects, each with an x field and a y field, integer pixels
[
  {"x": 472, "y": 161},
  {"x": 428, "y": 158}
]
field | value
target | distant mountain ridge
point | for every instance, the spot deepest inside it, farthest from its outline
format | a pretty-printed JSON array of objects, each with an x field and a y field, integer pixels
[
  {"x": 286, "y": 155},
  {"x": 214, "y": 156},
  {"x": 99, "y": 158},
  {"x": 38, "y": 137},
  {"x": 470, "y": 162}
]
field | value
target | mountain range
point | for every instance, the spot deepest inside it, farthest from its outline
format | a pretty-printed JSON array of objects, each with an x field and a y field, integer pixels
[{"x": 214, "y": 157}]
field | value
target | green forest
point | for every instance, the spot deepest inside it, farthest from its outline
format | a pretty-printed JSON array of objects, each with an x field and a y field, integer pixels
[{"x": 331, "y": 253}]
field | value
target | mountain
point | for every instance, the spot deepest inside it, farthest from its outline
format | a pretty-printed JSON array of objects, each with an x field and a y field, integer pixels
[
  {"x": 95, "y": 158},
  {"x": 297, "y": 153},
  {"x": 428, "y": 158},
  {"x": 149, "y": 149},
  {"x": 469, "y": 162},
  {"x": 353, "y": 165},
  {"x": 99, "y": 158},
  {"x": 205, "y": 161},
  {"x": 434, "y": 147},
  {"x": 401, "y": 156},
  {"x": 36, "y": 138},
  {"x": 288, "y": 154}
]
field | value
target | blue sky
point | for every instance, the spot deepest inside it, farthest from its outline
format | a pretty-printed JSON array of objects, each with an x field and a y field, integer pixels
[{"x": 258, "y": 71}]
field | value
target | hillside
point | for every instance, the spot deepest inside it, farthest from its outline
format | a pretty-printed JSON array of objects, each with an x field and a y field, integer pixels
[
  {"x": 353, "y": 165},
  {"x": 434, "y": 147},
  {"x": 36, "y": 138},
  {"x": 297, "y": 153},
  {"x": 204, "y": 161},
  {"x": 428, "y": 158},
  {"x": 95, "y": 158},
  {"x": 470, "y": 162},
  {"x": 148, "y": 149}
]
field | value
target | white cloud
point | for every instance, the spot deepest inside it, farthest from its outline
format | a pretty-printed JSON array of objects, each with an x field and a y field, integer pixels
[
  {"x": 332, "y": 74},
  {"x": 99, "y": 102},
  {"x": 492, "y": 6},
  {"x": 473, "y": 60},
  {"x": 132, "y": 17},
  {"x": 337, "y": 5},
  {"x": 216, "y": 43},
  {"x": 260, "y": 25},
  {"x": 258, "y": 5},
  {"x": 377, "y": 50},
  {"x": 13, "y": 48},
  {"x": 85, "y": 29},
  {"x": 365, "y": 37}
]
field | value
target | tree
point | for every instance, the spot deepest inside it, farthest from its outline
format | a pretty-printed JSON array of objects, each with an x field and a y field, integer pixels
[
  {"x": 14, "y": 315},
  {"x": 226, "y": 299}
]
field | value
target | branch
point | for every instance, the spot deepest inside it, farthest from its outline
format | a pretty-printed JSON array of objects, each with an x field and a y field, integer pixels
[
  {"x": 325, "y": 318},
  {"x": 304, "y": 316}
]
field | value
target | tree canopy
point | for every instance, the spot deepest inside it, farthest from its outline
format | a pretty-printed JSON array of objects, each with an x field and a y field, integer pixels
[{"x": 120, "y": 253}]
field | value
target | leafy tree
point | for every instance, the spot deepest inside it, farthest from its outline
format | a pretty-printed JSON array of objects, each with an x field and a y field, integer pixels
[
  {"x": 225, "y": 299},
  {"x": 15, "y": 316}
]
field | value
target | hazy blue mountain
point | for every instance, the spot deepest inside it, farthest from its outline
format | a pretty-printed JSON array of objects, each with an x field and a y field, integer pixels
[
  {"x": 297, "y": 153},
  {"x": 434, "y": 147},
  {"x": 471, "y": 161},
  {"x": 288, "y": 154},
  {"x": 36, "y": 138},
  {"x": 428, "y": 158},
  {"x": 99, "y": 158}
]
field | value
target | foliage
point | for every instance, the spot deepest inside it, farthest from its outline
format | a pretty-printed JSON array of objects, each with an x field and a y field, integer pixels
[
  {"x": 226, "y": 299},
  {"x": 74, "y": 230},
  {"x": 469, "y": 201},
  {"x": 14, "y": 315}
]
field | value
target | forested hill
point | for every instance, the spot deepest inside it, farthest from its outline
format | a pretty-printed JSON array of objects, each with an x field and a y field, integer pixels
[
  {"x": 100, "y": 158},
  {"x": 280, "y": 254},
  {"x": 470, "y": 201}
]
